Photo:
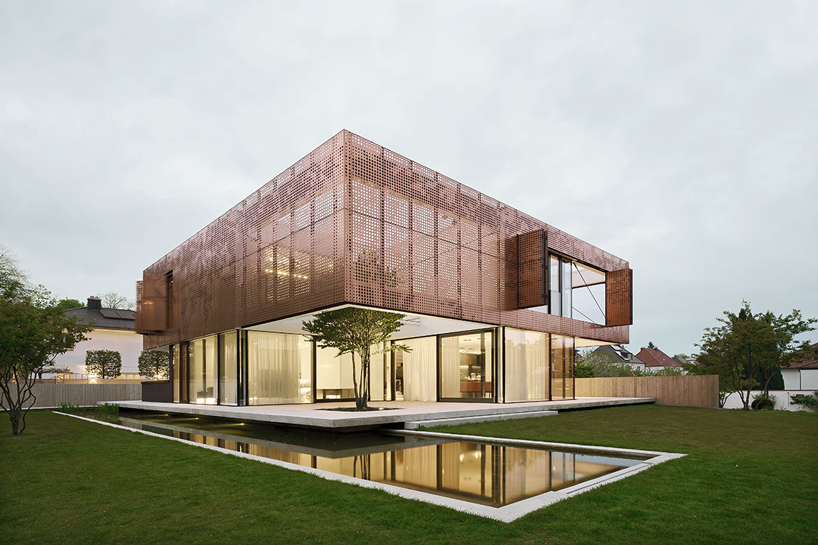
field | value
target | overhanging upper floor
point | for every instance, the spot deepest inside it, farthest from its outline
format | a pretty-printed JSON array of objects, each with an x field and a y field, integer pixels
[{"x": 353, "y": 222}]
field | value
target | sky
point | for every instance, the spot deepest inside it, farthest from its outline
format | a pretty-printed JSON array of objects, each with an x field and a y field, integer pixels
[{"x": 682, "y": 137}]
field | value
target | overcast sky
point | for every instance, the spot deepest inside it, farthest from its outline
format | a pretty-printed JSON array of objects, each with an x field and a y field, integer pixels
[{"x": 683, "y": 139}]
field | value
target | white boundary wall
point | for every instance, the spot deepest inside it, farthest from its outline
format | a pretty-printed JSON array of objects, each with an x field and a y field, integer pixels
[{"x": 781, "y": 397}]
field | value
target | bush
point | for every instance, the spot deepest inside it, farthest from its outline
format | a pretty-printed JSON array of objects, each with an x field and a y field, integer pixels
[
  {"x": 809, "y": 402},
  {"x": 763, "y": 402}
]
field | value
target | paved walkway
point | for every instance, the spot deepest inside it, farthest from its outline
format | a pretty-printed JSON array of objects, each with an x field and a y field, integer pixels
[{"x": 399, "y": 413}]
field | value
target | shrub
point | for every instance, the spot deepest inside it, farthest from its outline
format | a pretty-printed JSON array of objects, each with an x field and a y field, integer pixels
[
  {"x": 809, "y": 401},
  {"x": 763, "y": 402}
]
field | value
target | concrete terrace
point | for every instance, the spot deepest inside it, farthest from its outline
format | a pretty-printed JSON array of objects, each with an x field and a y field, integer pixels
[{"x": 399, "y": 414}]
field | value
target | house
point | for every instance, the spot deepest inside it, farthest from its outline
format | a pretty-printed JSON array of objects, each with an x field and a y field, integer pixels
[
  {"x": 495, "y": 301},
  {"x": 802, "y": 375},
  {"x": 113, "y": 329},
  {"x": 621, "y": 355},
  {"x": 656, "y": 360}
]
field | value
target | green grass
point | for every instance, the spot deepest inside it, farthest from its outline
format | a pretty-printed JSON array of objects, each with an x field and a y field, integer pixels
[{"x": 749, "y": 478}]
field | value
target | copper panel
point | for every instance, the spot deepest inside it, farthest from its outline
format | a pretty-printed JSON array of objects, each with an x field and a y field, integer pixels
[
  {"x": 532, "y": 264},
  {"x": 152, "y": 304},
  {"x": 353, "y": 222},
  {"x": 619, "y": 298}
]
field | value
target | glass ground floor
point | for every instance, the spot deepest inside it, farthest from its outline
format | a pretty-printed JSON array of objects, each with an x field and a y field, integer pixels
[{"x": 491, "y": 365}]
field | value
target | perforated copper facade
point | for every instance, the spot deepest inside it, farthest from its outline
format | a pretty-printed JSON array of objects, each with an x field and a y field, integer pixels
[
  {"x": 619, "y": 298},
  {"x": 532, "y": 269},
  {"x": 353, "y": 222}
]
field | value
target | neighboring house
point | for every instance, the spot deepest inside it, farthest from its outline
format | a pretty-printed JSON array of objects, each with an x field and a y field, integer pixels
[
  {"x": 621, "y": 355},
  {"x": 802, "y": 375},
  {"x": 656, "y": 360},
  {"x": 113, "y": 330},
  {"x": 496, "y": 301}
]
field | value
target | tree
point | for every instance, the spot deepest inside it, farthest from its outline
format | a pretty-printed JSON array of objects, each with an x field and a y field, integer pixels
[
  {"x": 154, "y": 364},
  {"x": 103, "y": 363},
  {"x": 651, "y": 345},
  {"x": 747, "y": 348},
  {"x": 114, "y": 300},
  {"x": 65, "y": 304},
  {"x": 51, "y": 370},
  {"x": 354, "y": 331},
  {"x": 33, "y": 331},
  {"x": 602, "y": 364}
]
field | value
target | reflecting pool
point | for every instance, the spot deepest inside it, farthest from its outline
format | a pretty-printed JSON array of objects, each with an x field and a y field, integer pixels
[{"x": 484, "y": 473}]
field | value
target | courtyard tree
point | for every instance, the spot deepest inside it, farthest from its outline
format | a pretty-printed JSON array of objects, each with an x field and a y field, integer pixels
[
  {"x": 33, "y": 331},
  {"x": 103, "y": 363},
  {"x": 747, "y": 348},
  {"x": 154, "y": 364},
  {"x": 356, "y": 331}
]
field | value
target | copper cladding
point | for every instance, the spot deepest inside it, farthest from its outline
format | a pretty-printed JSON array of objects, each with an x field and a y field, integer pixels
[{"x": 353, "y": 222}]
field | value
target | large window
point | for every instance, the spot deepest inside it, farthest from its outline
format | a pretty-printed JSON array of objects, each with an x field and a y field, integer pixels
[
  {"x": 527, "y": 374},
  {"x": 562, "y": 367},
  {"x": 279, "y": 368},
  {"x": 415, "y": 377},
  {"x": 203, "y": 362},
  {"x": 175, "y": 371},
  {"x": 575, "y": 290},
  {"x": 229, "y": 367},
  {"x": 333, "y": 375},
  {"x": 467, "y": 366}
]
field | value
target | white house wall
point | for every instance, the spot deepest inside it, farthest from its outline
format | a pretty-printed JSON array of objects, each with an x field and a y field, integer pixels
[
  {"x": 800, "y": 379},
  {"x": 127, "y": 343}
]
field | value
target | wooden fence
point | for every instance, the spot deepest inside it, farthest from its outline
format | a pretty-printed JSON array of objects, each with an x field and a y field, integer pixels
[
  {"x": 686, "y": 390},
  {"x": 83, "y": 395}
]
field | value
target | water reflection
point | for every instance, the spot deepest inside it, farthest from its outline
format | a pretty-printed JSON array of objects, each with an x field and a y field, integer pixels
[{"x": 483, "y": 473}]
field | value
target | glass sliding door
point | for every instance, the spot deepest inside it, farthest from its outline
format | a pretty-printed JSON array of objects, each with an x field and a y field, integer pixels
[
  {"x": 203, "y": 362},
  {"x": 176, "y": 369},
  {"x": 333, "y": 375},
  {"x": 467, "y": 366},
  {"x": 229, "y": 360},
  {"x": 527, "y": 375},
  {"x": 278, "y": 368},
  {"x": 377, "y": 374},
  {"x": 416, "y": 371},
  {"x": 562, "y": 367}
]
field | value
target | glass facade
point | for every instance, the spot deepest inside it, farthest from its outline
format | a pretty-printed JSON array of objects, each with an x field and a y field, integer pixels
[
  {"x": 202, "y": 365},
  {"x": 278, "y": 367},
  {"x": 333, "y": 375},
  {"x": 229, "y": 368},
  {"x": 175, "y": 370},
  {"x": 467, "y": 366},
  {"x": 416, "y": 371},
  {"x": 262, "y": 368},
  {"x": 527, "y": 373},
  {"x": 562, "y": 367}
]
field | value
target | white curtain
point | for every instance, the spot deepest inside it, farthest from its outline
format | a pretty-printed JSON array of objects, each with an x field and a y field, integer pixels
[
  {"x": 450, "y": 367},
  {"x": 526, "y": 365},
  {"x": 419, "y": 376},
  {"x": 273, "y": 368}
]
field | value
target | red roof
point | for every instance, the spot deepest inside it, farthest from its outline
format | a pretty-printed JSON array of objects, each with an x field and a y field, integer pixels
[
  {"x": 653, "y": 357},
  {"x": 811, "y": 363}
]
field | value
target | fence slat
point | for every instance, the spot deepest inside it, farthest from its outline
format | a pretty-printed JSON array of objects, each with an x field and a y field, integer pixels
[
  {"x": 83, "y": 395},
  {"x": 685, "y": 390}
]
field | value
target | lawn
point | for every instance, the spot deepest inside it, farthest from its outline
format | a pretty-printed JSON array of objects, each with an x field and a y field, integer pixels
[{"x": 748, "y": 478}]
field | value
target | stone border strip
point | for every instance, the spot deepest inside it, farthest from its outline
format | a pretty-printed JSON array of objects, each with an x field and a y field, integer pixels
[
  {"x": 508, "y": 513},
  {"x": 415, "y": 424}
]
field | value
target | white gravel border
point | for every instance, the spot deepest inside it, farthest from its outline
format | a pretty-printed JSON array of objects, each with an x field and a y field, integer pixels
[{"x": 506, "y": 514}]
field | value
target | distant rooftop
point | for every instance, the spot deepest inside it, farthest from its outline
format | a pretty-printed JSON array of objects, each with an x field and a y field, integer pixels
[
  {"x": 110, "y": 318},
  {"x": 653, "y": 357}
]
